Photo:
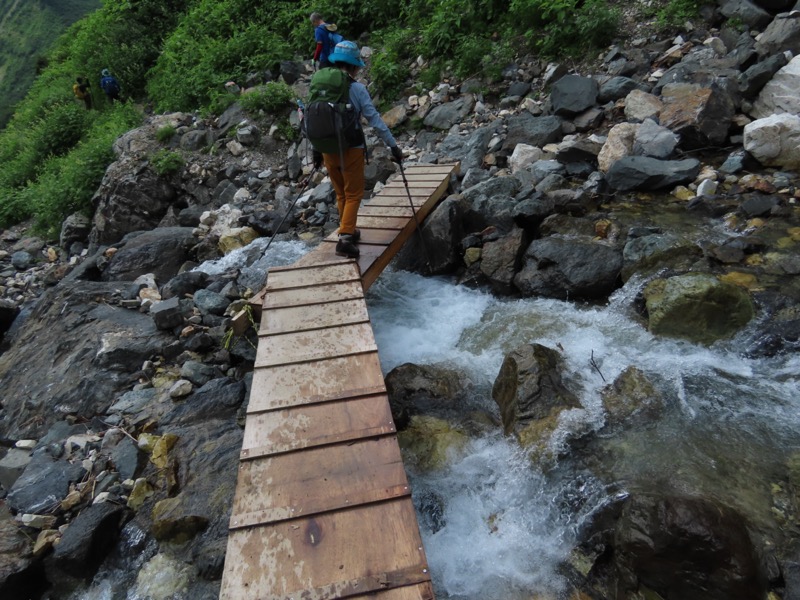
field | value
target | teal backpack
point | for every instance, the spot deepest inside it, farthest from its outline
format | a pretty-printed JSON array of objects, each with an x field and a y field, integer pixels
[{"x": 330, "y": 122}]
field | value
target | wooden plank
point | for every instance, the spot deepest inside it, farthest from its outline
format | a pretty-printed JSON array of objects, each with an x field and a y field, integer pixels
[
  {"x": 375, "y": 210},
  {"x": 279, "y": 279},
  {"x": 314, "y": 316},
  {"x": 321, "y": 381},
  {"x": 307, "y": 346},
  {"x": 421, "y": 591},
  {"x": 333, "y": 555},
  {"x": 382, "y": 222},
  {"x": 321, "y": 479},
  {"x": 307, "y": 426},
  {"x": 349, "y": 290}
]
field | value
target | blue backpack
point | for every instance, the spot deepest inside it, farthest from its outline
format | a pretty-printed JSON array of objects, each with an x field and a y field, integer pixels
[{"x": 110, "y": 85}]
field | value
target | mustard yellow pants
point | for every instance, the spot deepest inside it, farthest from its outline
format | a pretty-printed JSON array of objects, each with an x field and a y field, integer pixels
[{"x": 348, "y": 184}]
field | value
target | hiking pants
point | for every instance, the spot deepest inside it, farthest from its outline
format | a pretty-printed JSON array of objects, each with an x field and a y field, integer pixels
[{"x": 349, "y": 185}]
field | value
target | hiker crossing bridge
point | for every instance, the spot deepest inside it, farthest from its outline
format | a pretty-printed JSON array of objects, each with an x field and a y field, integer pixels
[{"x": 323, "y": 507}]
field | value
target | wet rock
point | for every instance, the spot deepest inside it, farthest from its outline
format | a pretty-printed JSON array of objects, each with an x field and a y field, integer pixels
[
  {"x": 216, "y": 399},
  {"x": 631, "y": 399},
  {"x": 529, "y": 387},
  {"x": 646, "y": 254},
  {"x": 163, "y": 577},
  {"x": 697, "y": 307},
  {"x": 707, "y": 543},
  {"x": 172, "y": 523},
  {"x": 422, "y": 389},
  {"x": 88, "y": 539},
  {"x": 430, "y": 443},
  {"x": 560, "y": 267},
  {"x": 442, "y": 231},
  {"x": 758, "y": 205},
  {"x": 43, "y": 484},
  {"x": 645, "y": 173}
]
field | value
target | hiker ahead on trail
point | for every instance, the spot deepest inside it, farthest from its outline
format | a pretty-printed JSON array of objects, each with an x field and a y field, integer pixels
[
  {"x": 326, "y": 38},
  {"x": 332, "y": 123},
  {"x": 82, "y": 92},
  {"x": 110, "y": 85}
]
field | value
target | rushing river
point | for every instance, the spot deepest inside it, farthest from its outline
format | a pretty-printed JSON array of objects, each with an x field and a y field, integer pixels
[
  {"x": 498, "y": 526},
  {"x": 503, "y": 524}
]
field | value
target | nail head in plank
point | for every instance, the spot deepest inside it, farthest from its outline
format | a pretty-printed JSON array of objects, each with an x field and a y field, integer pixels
[{"x": 310, "y": 554}]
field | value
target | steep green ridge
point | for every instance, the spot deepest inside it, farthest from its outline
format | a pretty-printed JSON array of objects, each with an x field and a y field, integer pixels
[{"x": 27, "y": 30}]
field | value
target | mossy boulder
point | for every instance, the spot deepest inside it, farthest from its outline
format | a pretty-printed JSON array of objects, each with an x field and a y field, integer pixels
[
  {"x": 173, "y": 523},
  {"x": 430, "y": 443},
  {"x": 697, "y": 307}
]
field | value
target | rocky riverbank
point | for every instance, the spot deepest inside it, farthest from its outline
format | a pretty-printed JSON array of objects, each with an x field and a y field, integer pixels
[{"x": 673, "y": 162}]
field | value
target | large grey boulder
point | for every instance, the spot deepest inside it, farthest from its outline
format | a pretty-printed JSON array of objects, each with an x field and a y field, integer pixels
[
  {"x": 645, "y": 173},
  {"x": 490, "y": 203},
  {"x": 534, "y": 131},
  {"x": 43, "y": 484},
  {"x": 446, "y": 115},
  {"x": 697, "y": 307},
  {"x": 653, "y": 140},
  {"x": 701, "y": 115},
  {"x": 500, "y": 258},
  {"x": 470, "y": 150},
  {"x": 774, "y": 140},
  {"x": 616, "y": 88},
  {"x": 752, "y": 81},
  {"x": 422, "y": 389},
  {"x": 562, "y": 267},
  {"x": 161, "y": 252},
  {"x": 130, "y": 198},
  {"x": 780, "y": 95},
  {"x": 782, "y": 34},
  {"x": 748, "y": 12},
  {"x": 573, "y": 94}
]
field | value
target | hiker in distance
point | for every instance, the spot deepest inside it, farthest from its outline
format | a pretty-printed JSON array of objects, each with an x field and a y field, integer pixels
[
  {"x": 82, "y": 92},
  {"x": 326, "y": 38},
  {"x": 346, "y": 165},
  {"x": 109, "y": 85}
]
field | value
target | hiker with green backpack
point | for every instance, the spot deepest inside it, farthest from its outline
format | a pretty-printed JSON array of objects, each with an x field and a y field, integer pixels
[{"x": 332, "y": 124}]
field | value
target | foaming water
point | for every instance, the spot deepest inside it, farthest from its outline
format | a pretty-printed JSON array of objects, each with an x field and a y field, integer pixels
[{"x": 495, "y": 525}]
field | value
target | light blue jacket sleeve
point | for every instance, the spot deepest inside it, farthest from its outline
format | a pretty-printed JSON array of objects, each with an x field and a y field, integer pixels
[{"x": 359, "y": 97}]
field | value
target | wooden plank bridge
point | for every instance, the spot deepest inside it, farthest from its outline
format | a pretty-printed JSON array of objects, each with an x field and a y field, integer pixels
[{"x": 322, "y": 506}]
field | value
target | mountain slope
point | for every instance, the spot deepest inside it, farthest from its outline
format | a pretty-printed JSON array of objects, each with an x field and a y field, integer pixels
[{"x": 27, "y": 29}]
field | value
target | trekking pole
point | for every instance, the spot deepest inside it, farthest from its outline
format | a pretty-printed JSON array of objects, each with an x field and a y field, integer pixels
[
  {"x": 416, "y": 221},
  {"x": 291, "y": 208}
]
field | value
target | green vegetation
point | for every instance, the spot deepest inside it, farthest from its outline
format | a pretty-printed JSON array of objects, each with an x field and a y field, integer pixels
[
  {"x": 165, "y": 134},
  {"x": 676, "y": 12},
  {"x": 165, "y": 162},
  {"x": 178, "y": 55}
]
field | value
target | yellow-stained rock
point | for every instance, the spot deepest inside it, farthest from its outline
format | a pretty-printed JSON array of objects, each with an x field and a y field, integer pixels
[
  {"x": 237, "y": 238},
  {"x": 683, "y": 193},
  {"x": 141, "y": 491},
  {"x": 45, "y": 541},
  {"x": 431, "y": 442},
  {"x": 745, "y": 280},
  {"x": 160, "y": 455},
  {"x": 472, "y": 255}
]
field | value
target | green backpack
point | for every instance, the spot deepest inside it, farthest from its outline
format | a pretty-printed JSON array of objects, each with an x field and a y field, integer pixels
[{"x": 330, "y": 122}]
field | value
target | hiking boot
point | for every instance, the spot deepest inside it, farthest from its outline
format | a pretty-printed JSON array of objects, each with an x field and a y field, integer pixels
[
  {"x": 346, "y": 246},
  {"x": 356, "y": 235}
]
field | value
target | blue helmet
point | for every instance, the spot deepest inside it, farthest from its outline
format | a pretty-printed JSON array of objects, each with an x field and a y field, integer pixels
[{"x": 346, "y": 52}]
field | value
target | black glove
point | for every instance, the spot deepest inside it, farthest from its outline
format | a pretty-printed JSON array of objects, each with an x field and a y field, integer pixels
[
  {"x": 397, "y": 154},
  {"x": 317, "y": 159}
]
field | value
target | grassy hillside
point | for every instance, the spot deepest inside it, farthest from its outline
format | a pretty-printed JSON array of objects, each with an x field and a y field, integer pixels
[
  {"x": 28, "y": 29},
  {"x": 178, "y": 54}
]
